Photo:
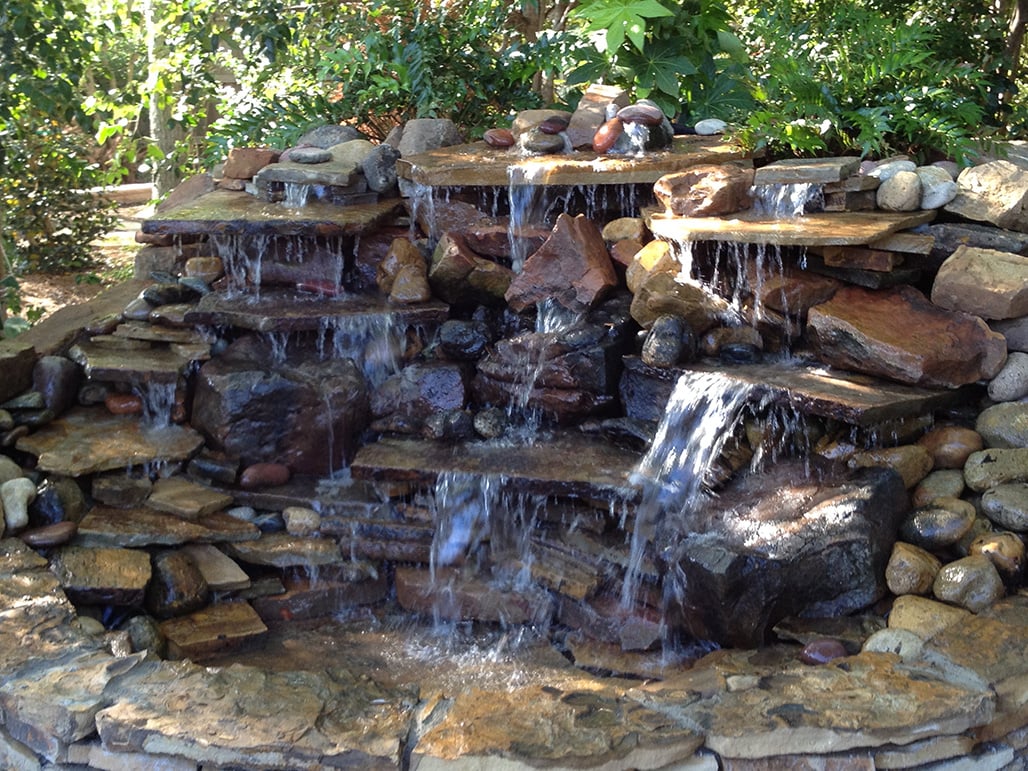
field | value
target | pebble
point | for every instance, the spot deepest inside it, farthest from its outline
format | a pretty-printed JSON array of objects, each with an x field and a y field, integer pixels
[
  {"x": 710, "y": 126},
  {"x": 535, "y": 141},
  {"x": 712, "y": 341},
  {"x": 900, "y": 192},
  {"x": 972, "y": 582},
  {"x": 301, "y": 521},
  {"x": 989, "y": 468},
  {"x": 554, "y": 124},
  {"x": 911, "y": 570},
  {"x": 1011, "y": 382},
  {"x": 410, "y": 285},
  {"x": 947, "y": 483},
  {"x": 950, "y": 446},
  {"x": 50, "y": 535},
  {"x": 1004, "y": 425},
  {"x": 641, "y": 112},
  {"x": 739, "y": 353},
  {"x": 1005, "y": 550},
  {"x": 981, "y": 526},
  {"x": 669, "y": 341},
  {"x": 491, "y": 423},
  {"x": 309, "y": 155},
  {"x": 145, "y": 635},
  {"x": 910, "y": 461},
  {"x": 449, "y": 426},
  {"x": 607, "y": 135},
  {"x": 938, "y": 525},
  {"x": 9, "y": 469},
  {"x": 887, "y": 169},
  {"x": 937, "y": 186},
  {"x": 1007, "y": 506},
  {"x": 264, "y": 475},
  {"x": 209, "y": 269},
  {"x": 123, "y": 404},
  {"x": 137, "y": 310},
  {"x": 6, "y": 421},
  {"x": 499, "y": 137},
  {"x": 902, "y": 642},
  {"x": 822, "y": 651},
  {"x": 15, "y": 496}
]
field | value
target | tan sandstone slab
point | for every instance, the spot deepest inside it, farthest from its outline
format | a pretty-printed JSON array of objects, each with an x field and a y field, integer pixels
[
  {"x": 189, "y": 500},
  {"x": 221, "y": 572},
  {"x": 103, "y": 576},
  {"x": 212, "y": 629},
  {"x": 545, "y": 727},
  {"x": 89, "y": 439},
  {"x": 139, "y": 527},
  {"x": 478, "y": 164},
  {"x": 806, "y": 170},
  {"x": 816, "y": 229},
  {"x": 985, "y": 282},
  {"x": 243, "y": 717}
]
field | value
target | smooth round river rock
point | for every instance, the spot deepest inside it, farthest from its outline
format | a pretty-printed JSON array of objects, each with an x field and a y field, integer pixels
[
  {"x": 972, "y": 583},
  {"x": 1011, "y": 383},
  {"x": 911, "y": 569},
  {"x": 950, "y": 446},
  {"x": 1005, "y": 550},
  {"x": 945, "y": 483},
  {"x": 1004, "y": 425},
  {"x": 989, "y": 468},
  {"x": 1007, "y": 506},
  {"x": 938, "y": 525}
]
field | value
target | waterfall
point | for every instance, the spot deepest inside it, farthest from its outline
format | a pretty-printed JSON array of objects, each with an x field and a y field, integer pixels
[
  {"x": 701, "y": 415},
  {"x": 786, "y": 201}
]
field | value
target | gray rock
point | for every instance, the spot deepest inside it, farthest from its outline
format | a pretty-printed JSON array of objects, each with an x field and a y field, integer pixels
[
  {"x": 941, "y": 483},
  {"x": 379, "y": 168},
  {"x": 669, "y": 341},
  {"x": 1015, "y": 331},
  {"x": 904, "y": 643},
  {"x": 710, "y": 126},
  {"x": 939, "y": 524},
  {"x": 1011, "y": 383},
  {"x": 9, "y": 469},
  {"x": 328, "y": 135},
  {"x": 1007, "y": 506},
  {"x": 15, "y": 497},
  {"x": 900, "y": 192},
  {"x": 889, "y": 169},
  {"x": 1004, "y": 425},
  {"x": 983, "y": 282},
  {"x": 309, "y": 155},
  {"x": 996, "y": 466},
  {"x": 995, "y": 192},
  {"x": 423, "y": 134},
  {"x": 972, "y": 583},
  {"x": 938, "y": 188}
]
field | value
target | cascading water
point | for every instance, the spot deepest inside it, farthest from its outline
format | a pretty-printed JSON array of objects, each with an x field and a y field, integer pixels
[
  {"x": 373, "y": 341},
  {"x": 158, "y": 402},
  {"x": 701, "y": 415},
  {"x": 787, "y": 201}
]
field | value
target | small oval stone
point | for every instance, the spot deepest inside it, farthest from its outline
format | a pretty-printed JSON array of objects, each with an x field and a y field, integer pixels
[
  {"x": 123, "y": 404},
  {"x": 911, "y": 569},
  {"x": 607, "y": 134},
  {"x": 535, "y": 141},
  {"x": 1011, "y": 382},
  {"x": 1007, "y": 506},
  {"x": 554, "y": 124},
  {"x": 209, "y": 269},
  {"x": 950, "y": 446},
  {"x": 667, "y": 342},
  {"x": 710, "y": 126},
  {"x": 309, "y": 155},
  {"x": 1005, "y": 550},
  {"x": 972, "y": 582},
  {"x": 739, "y": 353},
  {"x": 938, "y": 525},
  {"x": 910, "y": 461},
  {"x": 50, "y": 535},
  {"x": 904, "y": 643},
  {"x": 1004, "y": 425},
  {"x": 176, "y": 587},
  {"x": 264, "y": 475},
  {"x": 646, "y": 114},
  {"x": 822, "y": 651},
  {"x": 464, "y": 340},
  {"x": 301, "y": 521},
  {"x": 145, "y": 635},
  {"x": 499, "y": 137},
  {"x": 946, "y": 483}
]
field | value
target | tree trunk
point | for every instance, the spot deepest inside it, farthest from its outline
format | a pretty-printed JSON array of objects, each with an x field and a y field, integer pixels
[
  {"x": 1015, "y": 38},
  {"x": 163, "y": 130}
]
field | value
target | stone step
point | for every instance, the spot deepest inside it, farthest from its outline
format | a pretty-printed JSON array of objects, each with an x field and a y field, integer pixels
[
  {"x": 860, "y": 400},
  {"x": 132, "y": 365},
  {"x": 226, "y": 212},
  {"x": 211, "y": 630},
  {"x": 850, "y": 228},
  {"x": 105, "y": 526},
  {"x": 86, "y": 440},
  {"x": 559, "y": 464},
  {"x": 478, "y": 165},
  {"x": 288, "y": 310}
]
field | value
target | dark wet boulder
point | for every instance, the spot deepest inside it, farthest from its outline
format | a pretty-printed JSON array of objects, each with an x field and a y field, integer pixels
[{"x": 176, "y": 587}]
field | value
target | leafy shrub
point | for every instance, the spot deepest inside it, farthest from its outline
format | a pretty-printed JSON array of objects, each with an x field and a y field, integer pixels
[
  {"x": 682, "y": 55},
  {"x": 853, "y": 80}
]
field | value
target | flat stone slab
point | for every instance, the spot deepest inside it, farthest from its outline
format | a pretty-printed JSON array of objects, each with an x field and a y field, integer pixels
[
  {"x": 287, "y": 310},
  {"x": 564, "y": 464},
  {"x": 282, "y": 550},
  {"x": 849, "y": 228},
  {"x": 479, "y": 165},
  {"x": 89, "y": 439},
  {"x": 212, "y": 629},
  {"x": 136, "y": 528},
  {"x": 186, "y": 499},
  {"x": 806, "y": 170},
  {"x": 230, "y": 213},
  {"x": 103, "y": 576},
  {"x": 860, "y": 400},
  {"x": 220, "y": 571},
  {"x": 131, "y": 365}
]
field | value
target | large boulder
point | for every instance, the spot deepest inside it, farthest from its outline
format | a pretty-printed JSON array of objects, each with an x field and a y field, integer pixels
[
  {"x": 986, "y": 282},
  {"x": 303, "y": 412},
  {"x": 572, "y": 267},
  {"x": 782, "y": 543},
  {"x": 995, "y": 192},
  {"x": 899, "y": 335}
]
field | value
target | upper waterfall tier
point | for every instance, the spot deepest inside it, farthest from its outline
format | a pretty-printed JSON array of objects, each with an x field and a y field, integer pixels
[
  {"x": 850, "y": 228},
  {"x": 232, "y": 213},
  {"x": 478, "y": 165}
]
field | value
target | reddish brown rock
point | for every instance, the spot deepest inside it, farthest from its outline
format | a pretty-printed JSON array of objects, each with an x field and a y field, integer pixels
[
  {"x": 607, "y": 134},
  {"x": 123, "y": 404},
  {"x": 592, "y": 112},
  {"x": 898, "y": 334},
  {"x": 705, "y": 191},
  {"x": 244, "y": 162},
  {"x": 499, "y": 137},
  {"x": 792, "y": 291},
  {"x": 264, "y": 475},
  {"x": 50, "y": 535},
  {"x": 402, "y": 253},
  {"x": 572, "y": 267},
  {"x": 623, "y": 252},
  {"x": 951, "y": 446},
  {"x": 454, "y": 596},
  {"x": 458, "y": 275},
  {"x": 822, "y": 651}
]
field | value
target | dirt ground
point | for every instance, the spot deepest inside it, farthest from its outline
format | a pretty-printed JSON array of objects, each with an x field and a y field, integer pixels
[{"x": 115, "y": 253}]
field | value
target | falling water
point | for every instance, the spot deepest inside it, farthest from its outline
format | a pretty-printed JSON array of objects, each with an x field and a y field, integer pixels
[
  {"x": 787, "y": 201},
  {"x": 295, "y": 194},
  {"x": 701, "y": 415},
  {"x": 278, "y": 344},
  {"x": 374, "y": 341},
  {"x": 242, "y": 266},
  {"x": 158, "y": 402}
]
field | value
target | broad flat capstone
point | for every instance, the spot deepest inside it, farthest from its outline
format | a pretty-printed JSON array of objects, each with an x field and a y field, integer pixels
[{"x": 89, "y": 439}]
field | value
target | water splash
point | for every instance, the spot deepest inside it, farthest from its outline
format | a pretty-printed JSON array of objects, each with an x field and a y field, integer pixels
[
  {"x": 295, "y": 195},
  {"x": 787, "y": 201},
  {"x": 242, "y": 257},
  {"x": 701, "y": 415},
  {"x": 158, "y": 402},
  {"x": 373, "y": 341},
  {"x": 462, "y": 504}
]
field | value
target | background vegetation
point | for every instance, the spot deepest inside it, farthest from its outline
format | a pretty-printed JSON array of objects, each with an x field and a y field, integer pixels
[{"x": 94, "y": 92}]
